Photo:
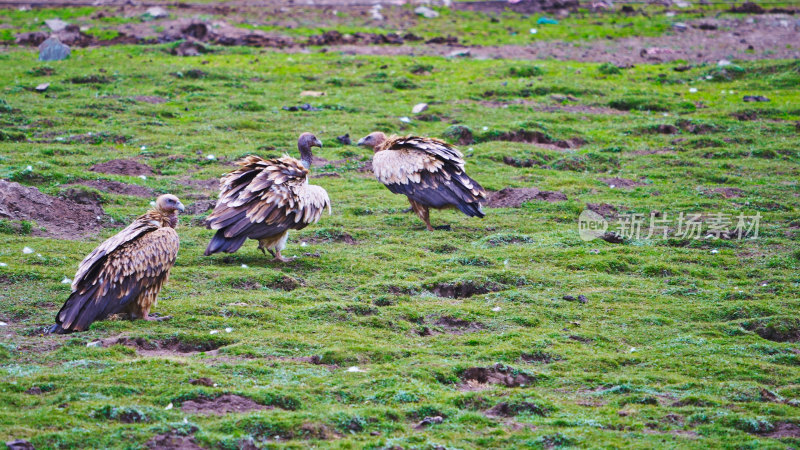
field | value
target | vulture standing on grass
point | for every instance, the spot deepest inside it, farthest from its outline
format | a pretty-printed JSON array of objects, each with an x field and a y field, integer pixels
[
  {"x": 428, "y": 171},
  {"x": 265, "y": 198},
  {"x": 125, "y": 273}
]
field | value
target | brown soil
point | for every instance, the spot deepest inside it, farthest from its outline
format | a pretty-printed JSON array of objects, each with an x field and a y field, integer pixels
[
  {"x": 538, "y": 138},
  {"x": 200, "y": 207},
  {"x": 784, "y": 430},
  {"x": 463, "y": 289},
  {"x": 202, "y": 381},
  {"x": 152, "y": 99},
  {"x": 122, "y": 167},
  {"x": 515, "y": 197},
  {"x": 200, "y": 189},
  {"x": 539, "y": 357},
  {"x": 163, "y": 347},
  {"x": 286, "y": 283},
  {"x": 336, "y": 237},
  {"x": 497, "y": 374},
  {"x": 728, "y": 192},
  {"x": 224, "y": 404},
  {"x": 172, "y": 441},
  {"x": 604, "y": 209},
  {"x": 621, "y": 182},
  {"x": 555, "y": 108},
  {"x": 452, "y": 325},
  {"x": 504, "y": 409},
  {"x": 61, "y": 218},
  {"x": 116, "y": 187}
]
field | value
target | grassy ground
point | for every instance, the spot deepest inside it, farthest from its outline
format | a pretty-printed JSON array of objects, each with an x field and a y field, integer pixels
[{"x": 662, "y": 354}]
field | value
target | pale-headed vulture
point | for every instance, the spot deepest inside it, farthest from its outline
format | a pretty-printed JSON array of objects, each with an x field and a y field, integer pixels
[
  {"x": 265, "y": 198},
  {"x": 125, "y": 273},
  {"x": 429, "y": 171}
]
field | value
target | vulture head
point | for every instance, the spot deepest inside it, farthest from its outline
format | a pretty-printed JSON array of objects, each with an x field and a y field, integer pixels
[
  {"x": 168, "y": 204},
  {"x": 373, "y": 140},
  {"x": 304, "y": 144}
]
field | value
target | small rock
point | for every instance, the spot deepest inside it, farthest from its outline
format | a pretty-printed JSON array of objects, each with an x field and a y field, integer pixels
[
  {"x": 228, "y": 330},
  {"x": 27, "y": 250},
  {"x": 612, "y": 237},
  {"x": 533, "y": 31},
  {"x": 53, "y": 50},
  {"x": 426, "y": 12},
  {"x": 429, "y": 421},
  {"x": 419, "y": 107},
  {"x": 189, "y": 48},
  {"x": 168, "y": 407},
  {"x": 405, "y": 120},
  {"x": 42, "y": 87},
  {"x": 211, "y": 157},
  {"x": 723, "y": 63},
  {"x": 3, "y": 324},
  {"x": 460, "y": 54},
  {"x": 755, "y": 98},
  {"x": 354, "y": 369},
  {"x": 682, "y": 4},
  {"x": 66, "y": 281},
  {"x": 19, "y": 444},
  {"x": 156, "y": 12},
  {"x": 344, "y": 140},
  {"x": 56, "y": 24},
  {"x": 680, "y": 26}
]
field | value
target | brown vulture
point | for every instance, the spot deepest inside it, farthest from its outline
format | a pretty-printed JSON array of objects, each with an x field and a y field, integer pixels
[
  {"x": 265, "y": 198},
  {"x": 125, "y": 273},
  {"x": 428, "y": 171}
]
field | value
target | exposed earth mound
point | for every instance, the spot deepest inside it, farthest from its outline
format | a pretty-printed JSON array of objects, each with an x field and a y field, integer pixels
[
  {"x": 122, "y": 167},
  {"x": 224, "y": 404},
  {"x": 61, "y": 218},
  {"x": 515, "y": 197}
]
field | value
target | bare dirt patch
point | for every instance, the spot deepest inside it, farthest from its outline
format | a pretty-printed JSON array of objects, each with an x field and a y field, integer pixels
[
  {"x": 506, "y": 409},
  {"x": 728, "y": 192},
  {"x": 538, "y": 138},
  {"x": 203, "y": 189},
  {"x": 604, "y": 209},
  {"x": 515, "y": 197},
  {"x": 783, "y": 430},
  {"x": 224, "y": 404},
  {"x": 539, "y": 357},
  {"x": 451, "y": 325},
  {"x": 61, "y": 218},
  {"x": 122, "y": 167},
  {"x": 152, "y": 99},
  {"x": 164, "y": 347},
  {"x": 173, "y": 440},
  {"x": 500, "y": 374},
  {"x": 116, "y": 187},
  {"x": 776, "y": 329},
  {"x": 621, "y": 182},
  {"x": 285, "y": 283},
  {"x": 200, "y": 207},
  {"x": 463, "y": 289}
]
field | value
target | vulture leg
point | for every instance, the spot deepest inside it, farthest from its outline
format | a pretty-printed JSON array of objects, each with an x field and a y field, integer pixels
[
  {"x": 423, "y": 212},
  {"x": 279, "y": 258}
]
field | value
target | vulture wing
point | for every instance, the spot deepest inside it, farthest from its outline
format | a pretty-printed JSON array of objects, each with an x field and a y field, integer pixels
[
  {"x": 263, "y": 198},
  {"x": 428, "y": 171},
  {"x": 130, "y": 266}
]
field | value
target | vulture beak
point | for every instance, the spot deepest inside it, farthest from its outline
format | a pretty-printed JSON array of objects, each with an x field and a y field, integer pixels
[
  {"x": 180, "y": 206},
  {"x": 317, "y": 142},
  {"x": 361, "y": 141}
]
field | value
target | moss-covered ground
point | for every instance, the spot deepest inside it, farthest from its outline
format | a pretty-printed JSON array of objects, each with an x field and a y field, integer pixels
[{"x": 687, "y": 343}]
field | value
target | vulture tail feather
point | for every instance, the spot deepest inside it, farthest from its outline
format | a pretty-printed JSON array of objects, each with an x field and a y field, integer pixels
[{"x": 222, "y": 244}]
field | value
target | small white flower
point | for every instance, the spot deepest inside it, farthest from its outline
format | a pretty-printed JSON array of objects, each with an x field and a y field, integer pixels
[
  {"x": 228, "y": 330},
  {"x": 496, "y": 308},
  {"x": 169, "y": 406},
  {"x": 485, "y": 128},
  {"x": 211, "y": 157},
  {"x": 143, "y": 148},
  {"x": 29, "y": 168},
  {"x": 213, "y": 331},
  {"x": 692, "y": 90},
  {"x": 216, "y": 385},
  {"x": 405, "y": 119},
  {"x": 244, "y": 266},
  {"x": 143, "y": 177},
  {"x": 715, "y": 251},
  {"x": 93, "y": 344},
  {"x": 27, "y": 250},
  {"x": 66, "y": 281},
  {"x": 534, "y": 31},
  {"x": 354, "y": 369}
]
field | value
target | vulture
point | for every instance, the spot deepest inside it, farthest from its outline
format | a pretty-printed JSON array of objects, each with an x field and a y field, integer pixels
[
  {"x": 429, "y": 171},
  {"x": 125, "y": 273},
  {"x": 265, "y": 198}
]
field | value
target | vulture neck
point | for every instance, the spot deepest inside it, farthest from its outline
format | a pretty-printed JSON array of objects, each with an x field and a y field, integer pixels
[
  {"x": 167, "y": 218},
  {"x": 305, "y": 154}
]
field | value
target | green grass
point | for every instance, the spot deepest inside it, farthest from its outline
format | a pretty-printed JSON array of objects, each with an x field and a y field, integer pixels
[{"x": 665, "y": 352}]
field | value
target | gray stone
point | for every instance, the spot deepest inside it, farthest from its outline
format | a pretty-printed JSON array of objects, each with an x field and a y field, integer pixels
[
  {"x": 680, "y": 26},
  {"x": 53, "y": 50},
  {"x": 419, "y": 107},
  {"x": 56, "y": 24},
  {"x": 156, "y": 12},
  {"x": 42, "y": 87},
  {"x": 426, "y": 12}
]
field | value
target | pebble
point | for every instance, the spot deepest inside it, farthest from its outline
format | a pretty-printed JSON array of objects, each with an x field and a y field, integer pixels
[
  {"x": 213, "y": 332},
  {"x": 228, "y": 330},
  {"x": 66, "y": 281},
  {"x": 211, "y": 157},
  {"x": 354, "y": 369},
  {"x": 56, "y": 24},
  {"x": 680, "y": 26},
  {"x": 27, "y": 250},
  {"x": 157, "y": 12},
  {"x": 534, "y": 31},
  {"x": 426, "y": 12},
  {"x": 245, "y": 266},
  {"x": 53, "y": 50},
  {"x": 723, "y": 63},
  {"x": 42, "y": 87},
  {"x": 144, "y": 177},
  {"x": 405, "y": 120},
  {"x": 419, "y": 107},
  {"x": 93, "y": 344},
  {"x": 496, "y": 308},
  {"x": 168, "y": 407}
]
